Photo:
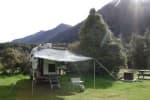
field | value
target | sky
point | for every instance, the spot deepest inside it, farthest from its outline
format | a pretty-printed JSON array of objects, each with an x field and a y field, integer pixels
[{"x": 20, "y": 18}]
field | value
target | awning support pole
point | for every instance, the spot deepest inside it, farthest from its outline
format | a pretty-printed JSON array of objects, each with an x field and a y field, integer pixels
[
  {"x": 94, "y": 73},
  {"x": 33, "y": 78}
]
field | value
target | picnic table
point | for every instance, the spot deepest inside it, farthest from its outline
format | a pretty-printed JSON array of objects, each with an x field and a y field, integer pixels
[{"x": 143, "y": 73}]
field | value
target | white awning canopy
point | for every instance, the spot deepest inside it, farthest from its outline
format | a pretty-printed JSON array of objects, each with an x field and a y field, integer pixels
[{"x": 59, "y": 55}]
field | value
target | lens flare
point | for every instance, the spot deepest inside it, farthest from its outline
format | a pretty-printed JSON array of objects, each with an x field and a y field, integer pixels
[{"x": 137, "y": 1}]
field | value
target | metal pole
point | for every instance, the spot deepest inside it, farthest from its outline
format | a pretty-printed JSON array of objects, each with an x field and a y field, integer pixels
[
  {"x": 94, "y": 73},
  {"x": 32, "y": 80}
]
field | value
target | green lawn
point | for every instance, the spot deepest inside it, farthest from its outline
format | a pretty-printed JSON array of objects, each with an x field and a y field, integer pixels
[{"x": 19, "y": 88}]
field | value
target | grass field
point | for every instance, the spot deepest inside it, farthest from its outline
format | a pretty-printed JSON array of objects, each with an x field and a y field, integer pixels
[{"x": 19, "y": 88}]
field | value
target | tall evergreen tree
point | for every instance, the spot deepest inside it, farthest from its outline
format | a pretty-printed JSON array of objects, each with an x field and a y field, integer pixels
[
  {"x": 97, "y": 41},
  {"x": 92, "y": 33}
]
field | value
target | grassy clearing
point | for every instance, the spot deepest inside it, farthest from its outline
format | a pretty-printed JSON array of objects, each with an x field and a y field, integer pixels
[{"x": 19, "y": 88}]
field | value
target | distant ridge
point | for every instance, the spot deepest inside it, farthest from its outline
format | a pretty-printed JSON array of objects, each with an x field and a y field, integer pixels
[
  {"x": 67, "y": 36},
  {"x": 43, "y": 36}
]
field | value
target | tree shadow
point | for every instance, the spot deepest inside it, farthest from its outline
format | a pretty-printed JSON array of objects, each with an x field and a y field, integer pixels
[
  {"x": 100, "y": 82},
  {"x": 7, "y": 92},
  {"x": 42, "y": 91},
  {"x": 22, "y": 90}
]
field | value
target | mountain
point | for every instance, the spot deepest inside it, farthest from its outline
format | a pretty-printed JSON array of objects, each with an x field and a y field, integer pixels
[
  {"x": 123, "y": 17},
  {"x": 127, "y": 16},
  {"x": 43, "y": 36},
  {"x": 67, "y": 36}
]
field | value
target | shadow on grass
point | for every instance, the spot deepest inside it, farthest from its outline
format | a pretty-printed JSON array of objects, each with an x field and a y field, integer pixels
[
  {"x": 22, "y": 90},
  {"x": 7, "y": 92},
  {"x": 100, "y": 82},
  {"x": 42, "y": 91}
]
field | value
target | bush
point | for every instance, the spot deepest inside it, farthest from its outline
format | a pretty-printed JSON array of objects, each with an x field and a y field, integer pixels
[{"x": 14, "y": 57}]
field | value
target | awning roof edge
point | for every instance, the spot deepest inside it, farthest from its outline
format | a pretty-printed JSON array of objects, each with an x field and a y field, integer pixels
[{"x": 60, "y": 55}]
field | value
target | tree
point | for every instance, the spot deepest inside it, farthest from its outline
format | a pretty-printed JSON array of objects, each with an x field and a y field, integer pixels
[
  {"x": 97, "y": 41},
  {"x": 13, "y": 59},
  {"x": 18, "y": 51},
  {"x": 147, "y": 46},
  {"x": 10, "y": 58},
  {"x": 139, "y": 50}
]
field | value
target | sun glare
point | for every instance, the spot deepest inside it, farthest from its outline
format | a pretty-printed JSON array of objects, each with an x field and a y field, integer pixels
[{"x": 137, "y": 1}]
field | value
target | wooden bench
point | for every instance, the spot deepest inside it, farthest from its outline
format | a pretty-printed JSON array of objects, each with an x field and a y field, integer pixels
[{"x": 143, "y": 73}]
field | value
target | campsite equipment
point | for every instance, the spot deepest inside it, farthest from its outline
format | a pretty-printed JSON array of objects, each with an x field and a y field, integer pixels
[
  {"x": 44, "y": 59},
  {"x": 128, "y": 75},
  {"x": 44, "y": 63},
  {"x": 77, "y": 81}
]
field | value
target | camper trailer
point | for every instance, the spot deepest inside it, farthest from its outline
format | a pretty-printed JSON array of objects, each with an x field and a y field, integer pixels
[
  {"x": 46, "y": 63},
  {"x": 44, "y": 68}
]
